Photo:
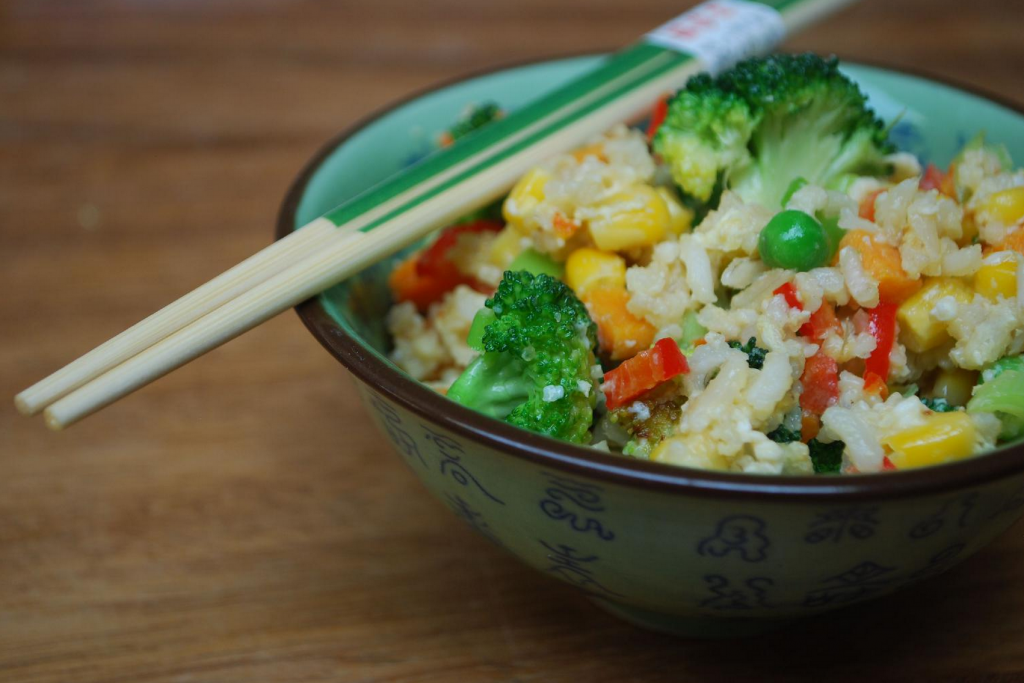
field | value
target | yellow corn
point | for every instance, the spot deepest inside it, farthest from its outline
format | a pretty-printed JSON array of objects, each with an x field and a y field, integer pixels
[
  {"x": 919, "y": 331},
  {"x": 943, "y": 438},
  {"x": 637, "y": 217},
  {"x": 997, "y": 279},
  {"x": 506, "y": 247},
  {"x": 527, "y": 193},
  {"x": 1006, "y": 206},
  {"x": 588, "y": 267},
  {"x": 955, "y": 385},
  {"x": 680, "y": 217},
  {"x": 691, "y": 450}
]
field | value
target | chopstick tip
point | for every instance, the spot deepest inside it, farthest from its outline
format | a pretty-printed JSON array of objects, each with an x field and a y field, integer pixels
[
  {"x": 52, "y": 421},
  {"x": 22, "y": 405}
]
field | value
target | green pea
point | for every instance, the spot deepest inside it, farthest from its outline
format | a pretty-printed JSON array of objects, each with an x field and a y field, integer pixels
[
  {"x": 797, "y": 183},
  {"x": 795, "y": 241}
]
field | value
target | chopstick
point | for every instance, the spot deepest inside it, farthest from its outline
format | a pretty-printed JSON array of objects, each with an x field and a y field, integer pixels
[{"x": 380, "y": 222}]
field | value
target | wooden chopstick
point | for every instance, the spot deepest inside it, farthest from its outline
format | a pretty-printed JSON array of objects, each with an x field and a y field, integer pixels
[
  {"x": 176, "y": 315},
  {"x": 304, "y": 242},
  {"x": 372, "y": 227}
]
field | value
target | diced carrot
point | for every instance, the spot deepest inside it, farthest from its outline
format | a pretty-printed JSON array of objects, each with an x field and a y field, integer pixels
[
  {"x": 867, "y": 204},
  {"x": 620, "y": 334},
  {"x": 810, "y": 425},
  {"x": 643, "y": 372},
  {"x": 821, "y": 383},
  {"x": 564, "y": 227},
  {"x": 884, "y": 263}
]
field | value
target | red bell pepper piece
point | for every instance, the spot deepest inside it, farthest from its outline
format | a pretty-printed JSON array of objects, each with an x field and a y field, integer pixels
[
  {"x": 643, "y": 372},
  {"x": 866, "y": 209},
  {"x": 434, "y": 259},
  {"x": 407, "y": 284},
  {"x": 887, "y": 465},
  {"x": 821, "y": 383},
  {"x": 657, "y": 117},
  {"x": 882, "y": 326},
  {"x": 426, "y": 277},
  {"x": 932, "y": 178},
  {"x": 822, "y": 321},
  {"x": 788, "y": 292}
]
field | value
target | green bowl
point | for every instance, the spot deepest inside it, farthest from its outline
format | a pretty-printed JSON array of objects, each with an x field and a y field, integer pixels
[{"x": 673, "y": 549}]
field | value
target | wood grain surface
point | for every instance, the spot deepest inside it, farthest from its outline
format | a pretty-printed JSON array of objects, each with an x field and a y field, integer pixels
[{"x": 239, "y": 520}]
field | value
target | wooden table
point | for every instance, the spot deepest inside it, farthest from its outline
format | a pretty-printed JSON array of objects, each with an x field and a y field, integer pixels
[{"x": 239, "y": 520}]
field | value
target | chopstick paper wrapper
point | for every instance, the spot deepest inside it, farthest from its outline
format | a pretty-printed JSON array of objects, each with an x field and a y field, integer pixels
[{"x": 447, "y": 184}]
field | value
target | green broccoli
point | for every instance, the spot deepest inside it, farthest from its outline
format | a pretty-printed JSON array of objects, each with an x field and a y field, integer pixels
[
  {"x": 767, "y": 121},
  {"x": 755, "y": 354},
  {"x": 649, "y": 420},
  {"x": 826, "y": 457},
  {"x": 538, "y": 350},
  {"x": 475, "y": 117},
  {"x": 783, "y": 434}
]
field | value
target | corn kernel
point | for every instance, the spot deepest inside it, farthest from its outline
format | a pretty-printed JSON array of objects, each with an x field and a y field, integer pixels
[
  {"x": 692, "y": 450},
  {"x": 919, "y": 331},
  {"x": 525, "y": 196},
  {"x": 506, "y": 246},
  {"x": 997, "y": 279},
  {"x": 680, "y": 217},
  {"x": 637, "y": 217},
  {"x": 1006, "y": 206},
  {"x": 588, "y": 267},
  {"x": 955, "y": 385},
  {"x": 943, "y": 438}
]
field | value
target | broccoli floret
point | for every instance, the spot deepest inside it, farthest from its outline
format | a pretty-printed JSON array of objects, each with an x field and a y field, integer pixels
[
  {"x": 650, "y": 420},
  {"x": 827, "y": 458},
  {"x": 475, "y": 117},
  {"x": 939, "y": 405},
  {"x": 537, "y": 353},
  {"x": 755, "y": 354},
  {"x": 783, "y": 434},
  {"x": 767, "y": 121}
]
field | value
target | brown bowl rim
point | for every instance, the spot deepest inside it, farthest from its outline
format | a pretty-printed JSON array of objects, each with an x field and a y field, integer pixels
[{"x": 616, "y": 469}]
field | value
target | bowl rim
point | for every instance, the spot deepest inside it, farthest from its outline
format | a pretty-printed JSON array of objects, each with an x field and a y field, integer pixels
[{"x": 585, "y": 461}]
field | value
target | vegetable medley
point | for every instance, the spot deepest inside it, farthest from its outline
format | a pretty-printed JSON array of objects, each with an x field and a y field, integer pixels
[{"x": 758, "y": 283}]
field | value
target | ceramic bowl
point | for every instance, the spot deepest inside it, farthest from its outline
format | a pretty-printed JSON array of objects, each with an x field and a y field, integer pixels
[{"x": 670, "y": 548}]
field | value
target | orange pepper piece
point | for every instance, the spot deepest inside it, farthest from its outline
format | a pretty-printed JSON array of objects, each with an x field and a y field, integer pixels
[
  {"x": 620, "y": 334},
  {"x": 884, "y": 263}
]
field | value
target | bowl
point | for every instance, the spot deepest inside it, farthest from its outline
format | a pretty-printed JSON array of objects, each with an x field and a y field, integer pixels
[{"x": 674, "y": 549}]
